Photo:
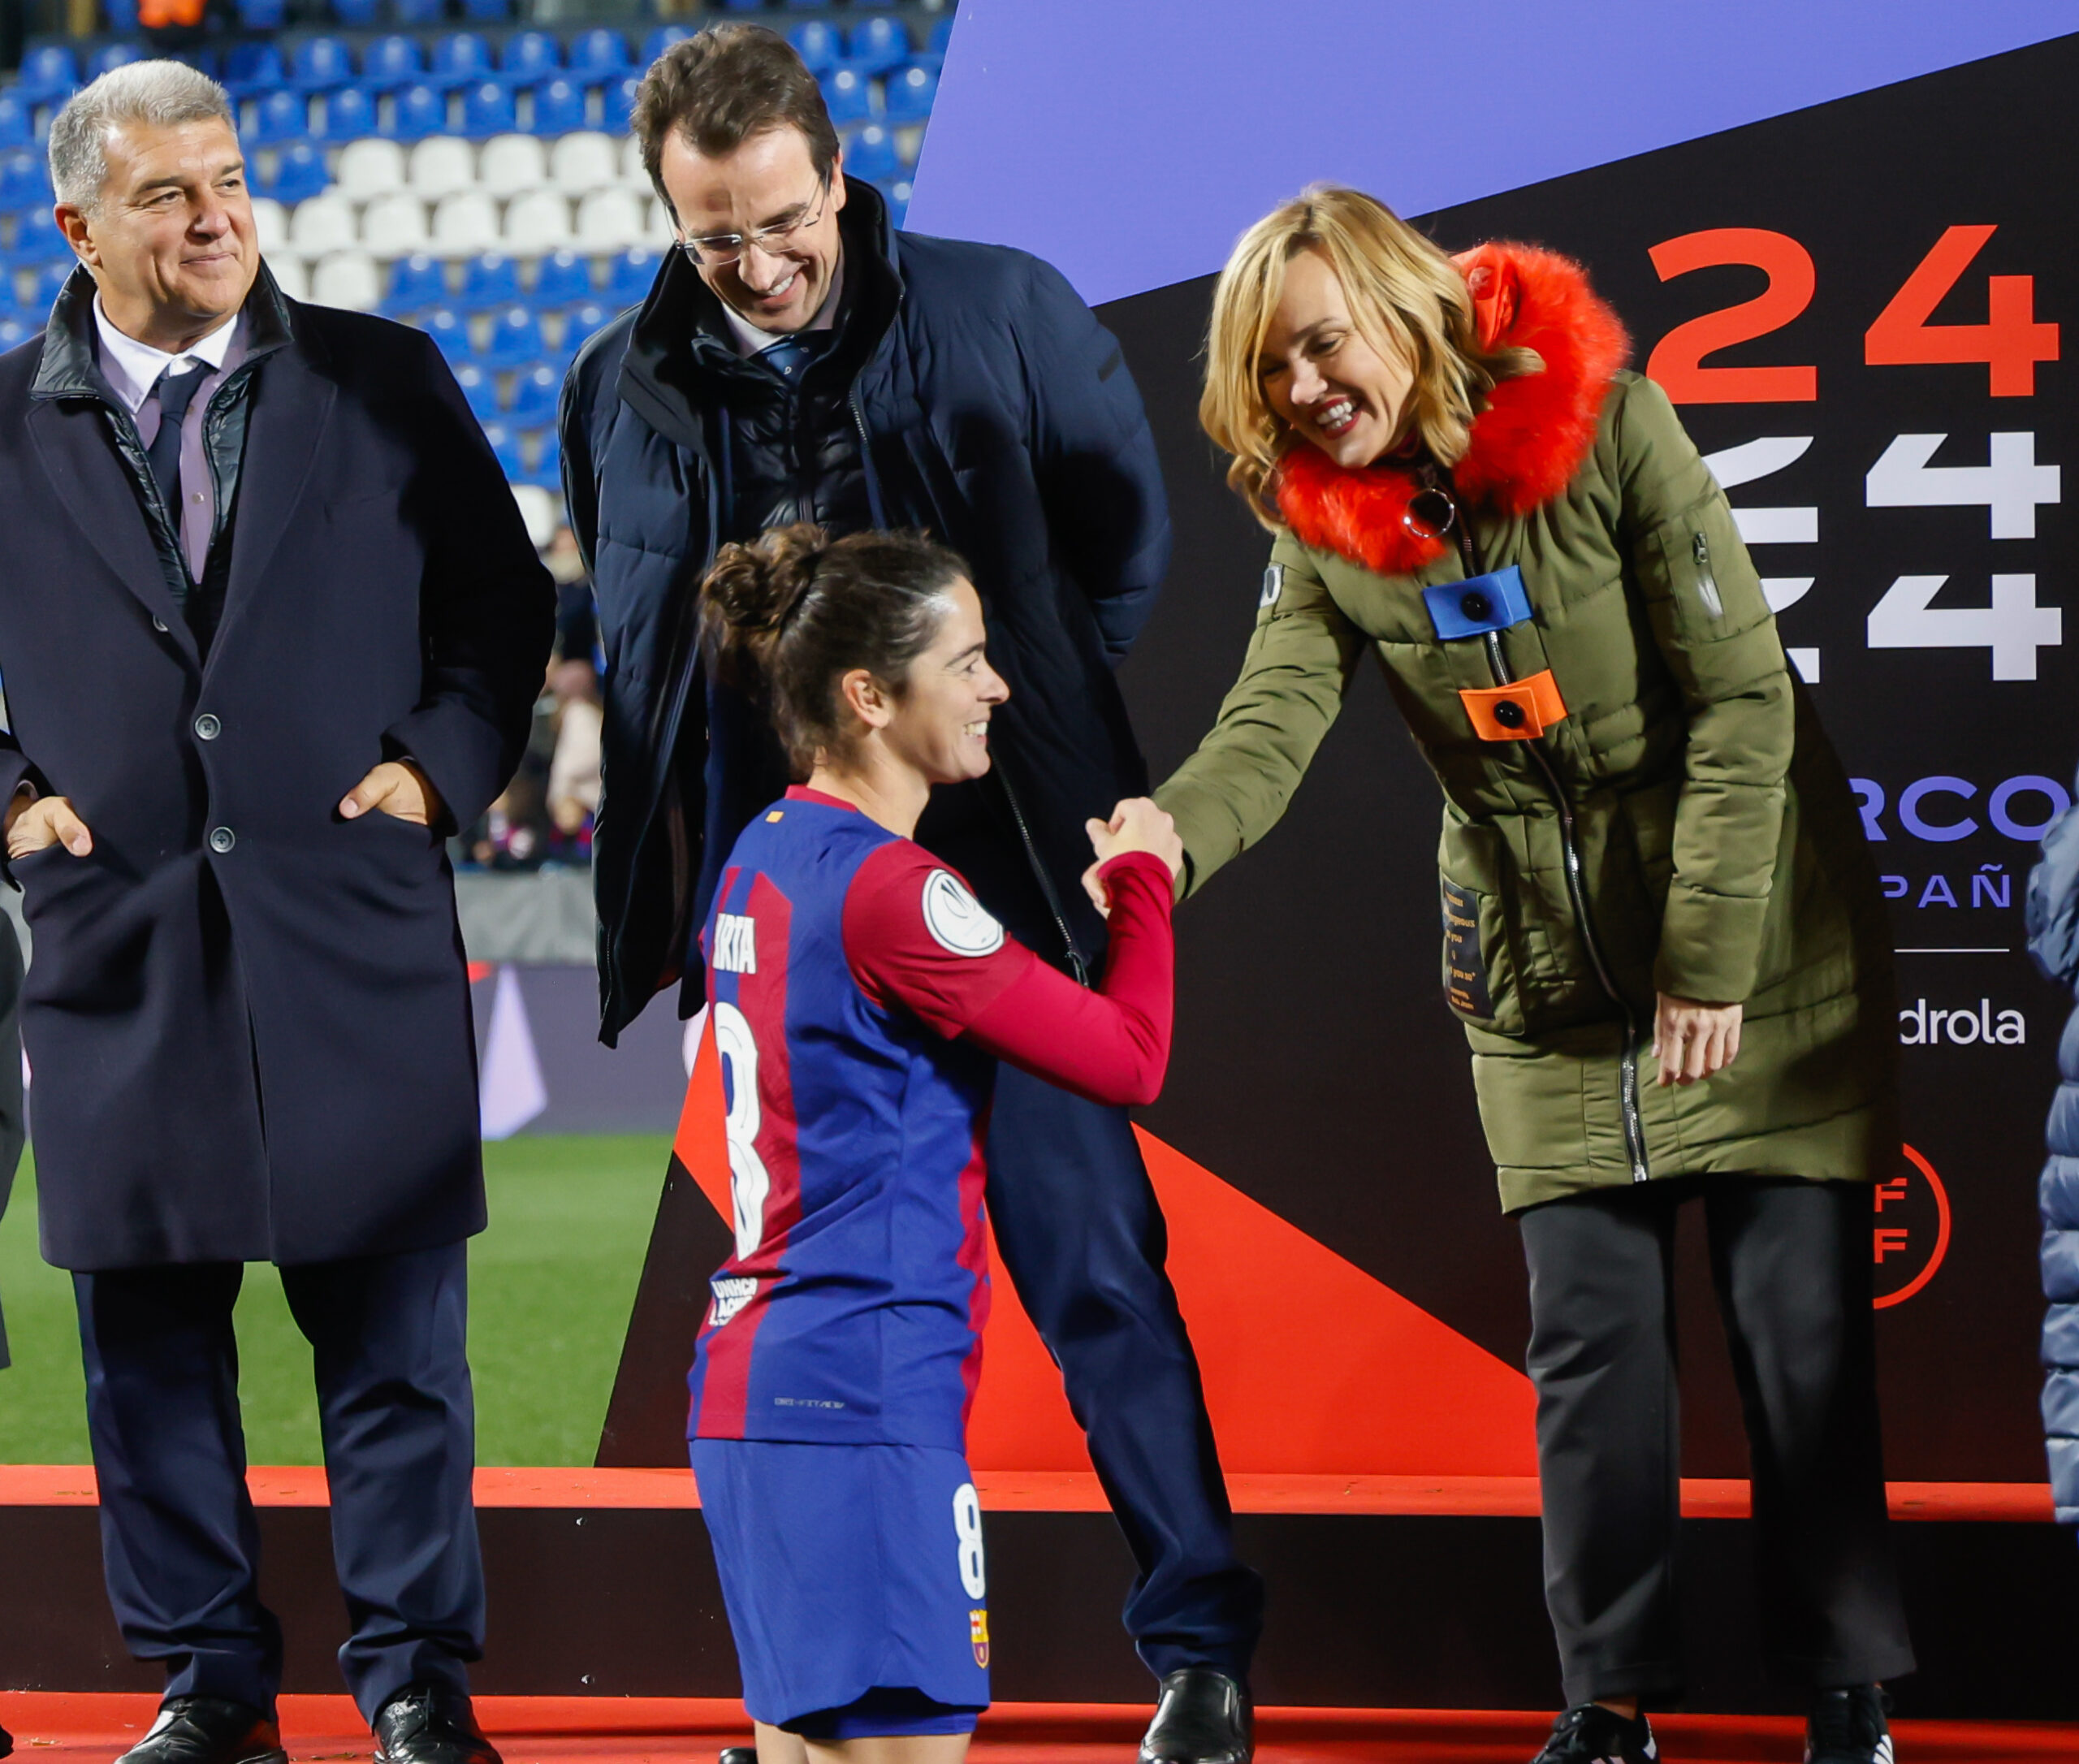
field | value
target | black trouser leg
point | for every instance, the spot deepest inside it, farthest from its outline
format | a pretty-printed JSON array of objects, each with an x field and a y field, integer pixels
[
  {"x": 1083, "y": 1239},
  {"x": 1791, "y": 1263},
  {"x": 180, "y": 1544},
  {"x": 1609, "y": 1436},
  {"x": 388, "y": 1338}
]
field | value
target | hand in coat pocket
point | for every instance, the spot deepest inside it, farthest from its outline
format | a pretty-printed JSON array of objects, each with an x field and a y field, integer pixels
[
  {"x": 398, "y": 787},
  {"x": 36, "y": 823}
]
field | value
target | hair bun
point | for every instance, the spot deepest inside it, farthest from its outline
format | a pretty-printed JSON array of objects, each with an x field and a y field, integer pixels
[{"x": 750, "y": 594}]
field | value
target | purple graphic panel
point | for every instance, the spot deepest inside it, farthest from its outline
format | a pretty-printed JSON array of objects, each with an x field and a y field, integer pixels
[{"x": 1130, "y": 144}]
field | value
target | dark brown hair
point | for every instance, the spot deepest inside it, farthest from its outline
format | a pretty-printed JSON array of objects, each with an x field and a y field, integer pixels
[
  {"x": 784, "y": 618},
  {"x": 722, "y": 86}
]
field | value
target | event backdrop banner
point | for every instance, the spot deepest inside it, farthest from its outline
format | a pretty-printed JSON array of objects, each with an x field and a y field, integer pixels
[{"x": 1864, "y": 311}]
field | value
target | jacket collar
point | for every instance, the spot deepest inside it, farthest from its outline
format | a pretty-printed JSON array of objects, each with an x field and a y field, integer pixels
[
  {"x": 70, "y": 368},
  {"x": 1527, "y": 444},
  {"x": 680, "y": 350}
]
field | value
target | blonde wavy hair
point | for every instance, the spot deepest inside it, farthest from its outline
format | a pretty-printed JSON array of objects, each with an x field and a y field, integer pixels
[{"x": 1407, "y": 299}]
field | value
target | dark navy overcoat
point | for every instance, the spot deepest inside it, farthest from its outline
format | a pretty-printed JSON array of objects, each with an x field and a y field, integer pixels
[{"x": 247, "y": 1019}]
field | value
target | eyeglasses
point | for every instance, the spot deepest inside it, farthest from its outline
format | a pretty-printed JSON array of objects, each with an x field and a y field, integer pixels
[{"x": 718, "y": 249}]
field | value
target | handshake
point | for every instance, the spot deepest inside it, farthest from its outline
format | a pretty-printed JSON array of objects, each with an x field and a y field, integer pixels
[{"x": 1136, "y": 824}]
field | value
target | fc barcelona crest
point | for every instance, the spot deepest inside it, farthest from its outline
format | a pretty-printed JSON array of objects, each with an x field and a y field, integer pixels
[{"x": 978, "y": 1632}]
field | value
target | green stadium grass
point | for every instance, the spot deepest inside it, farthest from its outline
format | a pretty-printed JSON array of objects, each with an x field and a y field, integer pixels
[{"x": 550, "y": 1286}]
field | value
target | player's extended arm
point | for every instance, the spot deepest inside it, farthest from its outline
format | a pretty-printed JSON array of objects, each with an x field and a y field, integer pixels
[{"x": 914, "y": 936}]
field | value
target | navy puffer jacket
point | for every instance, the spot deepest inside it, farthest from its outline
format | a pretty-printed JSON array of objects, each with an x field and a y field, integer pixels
[
  {"x": 2053, "y": 942},
  {"x": 997, "y": 414}
]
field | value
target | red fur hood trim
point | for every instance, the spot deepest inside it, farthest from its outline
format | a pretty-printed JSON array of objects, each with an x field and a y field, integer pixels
[{"x": 1526, "y": 446}]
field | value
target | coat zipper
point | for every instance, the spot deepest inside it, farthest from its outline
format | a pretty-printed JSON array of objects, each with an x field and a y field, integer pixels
[
  {"x": 1080, "y": 967},
  {"x": 1707, "y": 584},
  {"x": 1627, "y": 1081}
]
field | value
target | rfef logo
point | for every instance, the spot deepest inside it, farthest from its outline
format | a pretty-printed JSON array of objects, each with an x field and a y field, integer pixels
[{"x": 1912, "y": 1232}]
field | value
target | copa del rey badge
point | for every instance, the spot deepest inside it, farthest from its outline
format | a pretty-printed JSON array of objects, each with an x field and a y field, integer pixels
[{"x": 978, "y": 1632}]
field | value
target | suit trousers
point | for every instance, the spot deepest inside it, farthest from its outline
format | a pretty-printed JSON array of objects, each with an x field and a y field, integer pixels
[
  {"x": 179, "y": 1540},
  {"x": 1082, "y": 1236},
  {"x": 1791, "y": 1262}
]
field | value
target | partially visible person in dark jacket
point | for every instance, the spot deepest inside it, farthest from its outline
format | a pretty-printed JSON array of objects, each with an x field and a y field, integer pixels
[
  {"x": 2054, "y": 943},
  {"x": 799, "y": 359},
  {"x": 269, "y": 625},
  {"x": 12, "y": 1123}
]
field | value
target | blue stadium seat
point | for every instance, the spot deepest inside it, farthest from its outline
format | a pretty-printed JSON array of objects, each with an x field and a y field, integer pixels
[
  {"x": 490, "y": 280},
  {"x": 359, "y": 15},
  {"x": 818, "y": 44},
  {"x": 349, "y": 114},
  {"x": 580, "y": 324},
  {"x": 878, "y": 43},
  {"x": 121, "y": 15},
  {"x": 529, "y": 58},
  {"x": 37, "y": 241},
  {"x": 420, "y": 111},
  {"x": 487, "y": 111},
  {"x": 419, "y": 11},
  {"x": 46, "y": 73},
  {"x": 481, "y": 389},
  {"x": 253, "y": 70},
  {"x": 280, "y": 116},
  {"x": 743, "y": 6},
  {"x": 897, "y": 190},
  {"x": 911, "y": 91},
  {"x": 461, "y": 58},
  {"x": 559, "y": 107},
  {"x": 263, "y": 15},
  {"x": 941, "y": 38},
  {"x": 620, "y": 105},
  {"x": 598, "y": 55},
  {"x": 487, "y": 11},
  {"x": 662, "y": 39},
  {"x": 516, "y": 337},
  {"x": 564, "y": 279},
  {"x": 871, "y": 154},
  {"x": 416, "y": 283},
  {"x": 111, "y": 56},
  {"x": 203, "y": 61},
  {"x": 450, "y": 331},
  {"x": 628, "y": 277},
  {"x": 17, "y": 125},
  {"x": 547, "y": 469},
  {"x": 299, "y": 172},
  {"x": 533, "y": 396},
  {"x": 322, "y": 64},
  {"x": 53, "y": 275},
  {"x": 505, "y": 445},
  {"x": 25, "y": 181},
  {"x": 390, "y": 61},
  {"x": 849, "y": 95}
]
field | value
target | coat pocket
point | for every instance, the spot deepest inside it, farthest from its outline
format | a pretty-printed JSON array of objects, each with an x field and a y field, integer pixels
[{"x": 1480, "y": 972}]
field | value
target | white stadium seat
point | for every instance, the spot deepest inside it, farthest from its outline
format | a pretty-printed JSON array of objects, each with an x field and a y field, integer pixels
[
  {"x": 631, "y": 163},
  {"x": 512, "y": 163},
  {"x": 394, "y": 226},
  {"x": 465, "y": 225},
  {"x": 609, "y": 220},
  {"x": 289, "y": 277},
  {"x": 585, "y": 161},
  {"x": 347, "y": 279},
  {"x": 537, "y": 223},
  {"x": 321, "y": 224},
  {"x": 658, "y": 222},
  {"x": 541, "y": 510},
  {"x": 271, "y": 225},
  {"x": 441, "y": 164},
  {"x": 369, "y": 168}
]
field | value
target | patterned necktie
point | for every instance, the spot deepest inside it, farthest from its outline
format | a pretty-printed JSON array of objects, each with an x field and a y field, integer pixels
[{"x": 176, "y": 392}]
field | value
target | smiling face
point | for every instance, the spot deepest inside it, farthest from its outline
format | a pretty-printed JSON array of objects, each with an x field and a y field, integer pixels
[
  {"x": 170, "y": 242},
  {"x": 938, "y": 726},
  {"x": 769, "y": 181},
  {"x": 1322, "y": 378}
]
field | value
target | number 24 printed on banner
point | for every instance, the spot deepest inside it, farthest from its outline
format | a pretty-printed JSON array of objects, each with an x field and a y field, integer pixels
[{"x": 2010, "y": 486}]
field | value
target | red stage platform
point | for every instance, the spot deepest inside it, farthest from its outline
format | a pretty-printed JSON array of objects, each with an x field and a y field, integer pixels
[{"x": 75, "y": 1729}]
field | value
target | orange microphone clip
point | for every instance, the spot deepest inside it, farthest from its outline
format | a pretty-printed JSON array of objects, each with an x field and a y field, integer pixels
[{"x": 1514, "y": 713}]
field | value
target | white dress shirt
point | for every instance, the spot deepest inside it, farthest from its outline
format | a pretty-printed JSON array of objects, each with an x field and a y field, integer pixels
[
  {"x": 751, "y": 341},
  {"x": 133, "y": 369}
]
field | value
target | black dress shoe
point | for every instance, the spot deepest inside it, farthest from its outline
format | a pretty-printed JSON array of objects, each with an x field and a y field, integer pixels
[
  {"x": 1203, "y": 1717},
  {"x": 1590, "y": 1734},
  {"x": 209, "y": 1730},
  {"x": 6, "y": 1742},
  {"x": 430, "y": 1724},
  {"x": 1847, "y": 1727},
  {"x": 738, "y": 1754}
]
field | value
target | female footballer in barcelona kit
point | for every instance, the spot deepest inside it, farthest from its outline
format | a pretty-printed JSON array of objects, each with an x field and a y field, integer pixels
[{"x": 859, "y": 999}]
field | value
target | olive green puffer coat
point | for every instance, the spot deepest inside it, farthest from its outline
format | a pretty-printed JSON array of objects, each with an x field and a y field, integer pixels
[{"x": 1716, "y": 849}]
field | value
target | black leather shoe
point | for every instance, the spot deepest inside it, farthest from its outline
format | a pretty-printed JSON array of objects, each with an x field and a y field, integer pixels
[
  {"x": 208, "y": 1730},
  {"x": 1590, "y": 1734},
  {"x": 738, "y": 1754},
  {"x": 1847, "y": 1727},
  {"x": 430, "y": 1724},
  {"x": 1202, "y": 1717}
]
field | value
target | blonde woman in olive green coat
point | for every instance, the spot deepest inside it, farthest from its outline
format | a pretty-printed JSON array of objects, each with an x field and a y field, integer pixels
[{"x": 1661, "y": 927}]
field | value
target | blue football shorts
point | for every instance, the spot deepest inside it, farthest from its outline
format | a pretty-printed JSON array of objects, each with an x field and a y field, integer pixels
[{"x": 855, "y": 1581}]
